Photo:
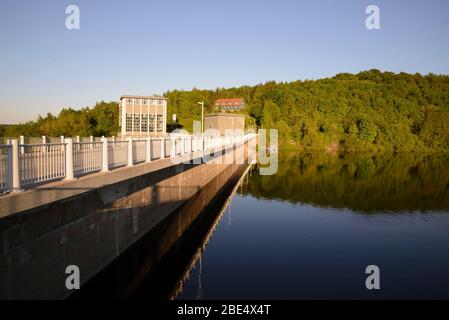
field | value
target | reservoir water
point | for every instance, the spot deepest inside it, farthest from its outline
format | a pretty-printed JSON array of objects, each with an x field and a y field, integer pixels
[{"x": 308, "y": 232}]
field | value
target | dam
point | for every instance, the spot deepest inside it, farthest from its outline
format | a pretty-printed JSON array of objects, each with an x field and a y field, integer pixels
[{"x": 91, "y": 221}]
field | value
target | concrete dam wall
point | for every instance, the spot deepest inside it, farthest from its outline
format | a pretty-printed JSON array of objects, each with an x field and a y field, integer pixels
[{"x": 91, "y": 228}]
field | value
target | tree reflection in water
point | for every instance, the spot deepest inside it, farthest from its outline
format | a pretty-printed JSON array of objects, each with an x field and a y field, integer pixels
[{"x": 360, "y": 182}]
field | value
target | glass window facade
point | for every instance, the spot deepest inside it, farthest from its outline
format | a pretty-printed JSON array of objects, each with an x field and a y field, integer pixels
[
  {"x": 147, "y": 117},
  {"x": 151, "y": 122},
  {"x": 144, "y": 123},
  {"x": 160, "y": 123},
  {"x": 129, "y": 122},
  {"x": 136, "y": 122}
]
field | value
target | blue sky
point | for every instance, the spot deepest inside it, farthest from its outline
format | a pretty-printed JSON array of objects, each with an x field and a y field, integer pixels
[{"x": 146, "y": 47}]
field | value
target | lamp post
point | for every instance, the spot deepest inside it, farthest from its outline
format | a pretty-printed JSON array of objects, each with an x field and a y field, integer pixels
[{"x": 202, "y": 117}]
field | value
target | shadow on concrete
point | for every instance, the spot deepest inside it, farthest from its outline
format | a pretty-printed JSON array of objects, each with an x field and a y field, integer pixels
[
  {"x": 92, "y": 229},
  {"x": 155, "y": 265}
]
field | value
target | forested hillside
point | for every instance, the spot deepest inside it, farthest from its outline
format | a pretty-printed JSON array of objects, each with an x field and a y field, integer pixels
[
  {"x": 371, "y": 110},
  {"x": 367, "y": 111}
]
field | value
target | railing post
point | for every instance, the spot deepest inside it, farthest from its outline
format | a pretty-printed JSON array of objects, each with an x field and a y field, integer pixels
[
  {"x": 163, "y": 148},
  {"x": 69, "y": 159},
  {"x": 105, "y": 156},
  {"x": 22, "y": 142},
  {"x": 16, "y": 187},
  {"x": 189, "y": 145},
  {"x": 148, "y": 149},
  {"x": 13, "y": 165},
  {"x": 44, "y": 141},
  {"x": 173, "y": 147},
  {"x": 182, "y": 146},
  {"x": 130, "y": 152}
]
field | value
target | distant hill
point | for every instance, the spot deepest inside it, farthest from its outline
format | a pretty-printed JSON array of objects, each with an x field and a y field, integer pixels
[{"x": 370, "y": 111}]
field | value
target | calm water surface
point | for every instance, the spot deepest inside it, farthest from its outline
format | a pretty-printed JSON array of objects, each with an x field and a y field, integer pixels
[
  {"x": 307, "y": 232},
  {"x": 311, "y": 230}
]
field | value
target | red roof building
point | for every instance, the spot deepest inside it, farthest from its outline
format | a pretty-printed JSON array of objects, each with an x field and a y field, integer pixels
[{"x": 234, "y": 104}]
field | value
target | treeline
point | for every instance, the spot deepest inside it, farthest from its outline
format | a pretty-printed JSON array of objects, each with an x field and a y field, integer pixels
[
  {"x": 371, "y": 110},
  {"x": 101, "y": 120}
]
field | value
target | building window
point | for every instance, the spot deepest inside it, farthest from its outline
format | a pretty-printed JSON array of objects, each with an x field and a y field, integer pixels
[
  {"x": 160, "y": 123},
  {"x": 129, "y": 100},
  {"x": 136, "y": 122},
  {"x": 160, "y": 101},
  {"x": 144, "y": 123},
  {"x": 129, "y": 122},
  {"x": 136, "y": 101},
  {"x": 144, "y": 101},
  {"x": 151, "y": 120}
]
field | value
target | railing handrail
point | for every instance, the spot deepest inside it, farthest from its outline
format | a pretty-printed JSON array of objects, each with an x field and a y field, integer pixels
[
  {"x": 28, "y": 164},
  {"x": 44, "y": 144},
  {"x": 95, "y": 142}
]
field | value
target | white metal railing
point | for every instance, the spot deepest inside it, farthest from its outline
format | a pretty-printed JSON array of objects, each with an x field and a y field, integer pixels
[
  {"x": 156, "y": 148},
  {"x": 5, "y": 169},
  {"x": 87, "y": 157},
  {"x": 168, "y": 146},
  {"x": 139, "y": 150},
  {"x": 177, "y": 146},
  {"x": 117, "y": 153},
  {"x": 23, "y": 165},
  {"x": 188, "y": 145},
  {"x": 42, "y": 162}
]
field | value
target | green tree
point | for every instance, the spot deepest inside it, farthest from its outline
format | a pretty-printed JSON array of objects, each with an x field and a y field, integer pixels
[{"x": 366, "y": 130}]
